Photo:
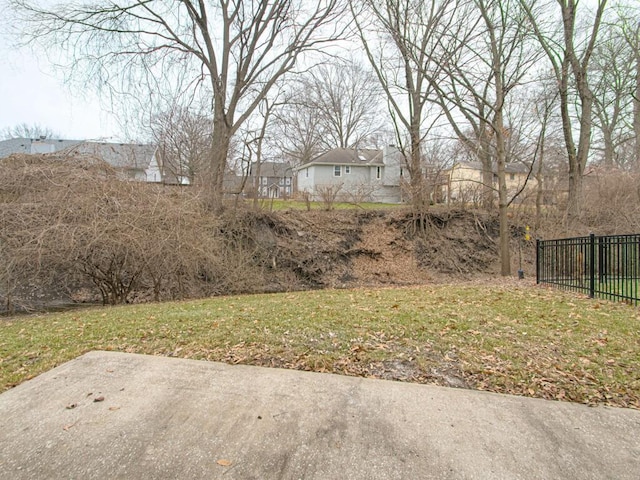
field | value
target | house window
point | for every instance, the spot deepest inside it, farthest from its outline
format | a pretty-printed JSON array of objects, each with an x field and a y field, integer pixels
[
  {"x": 288, "y": 181},
  {"x": 347, "y": 169},
  {"x": 378, "y": 172},
  {"x": 264, "y": 180},
  {"x": 337, "y": 171},
  {"x": 306, "y": 173}
]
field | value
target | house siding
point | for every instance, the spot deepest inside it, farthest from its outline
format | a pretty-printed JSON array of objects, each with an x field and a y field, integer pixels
[
  {"x": 359, "y": 183},
  {"x": 466, "y": 183},
  {"x": 362, "y": 183},
  {"x": 274, "y": 180},
  {"x": 153, "y": 173}
]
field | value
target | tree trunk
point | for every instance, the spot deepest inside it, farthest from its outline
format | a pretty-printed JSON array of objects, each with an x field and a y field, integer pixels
[
  {"x": 503, "y": 205},
  {"x": 540, "y": 182},
  {"x": 487, "y": 191},
  {"x": 501, "y": 158},
  {"x": 636, "y": 112},
  {"x": 575, "y": 176},
  {"x": 578, "y": 161},
  {"x": 217, "y": 164},
  {"x": 607, "y": 137},
  {"x": 580, "y": 69},
  {"x": 257, "y": 187},
  {"x": 419, "y": 197}
]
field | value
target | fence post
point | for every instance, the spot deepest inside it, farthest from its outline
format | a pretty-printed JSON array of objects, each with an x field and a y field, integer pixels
[
  {"x": 537, "y": 260},
  {"x": 592, "y": 266}
]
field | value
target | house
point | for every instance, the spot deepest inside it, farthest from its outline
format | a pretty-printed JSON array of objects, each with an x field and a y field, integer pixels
[
  {"x": 34, "y": 145},
  {"x": 270, "y": 180},
  {"x": 132, "y": 161},
  {"x": 463, "y": 181},
  {"x": 356, "y": 175}
]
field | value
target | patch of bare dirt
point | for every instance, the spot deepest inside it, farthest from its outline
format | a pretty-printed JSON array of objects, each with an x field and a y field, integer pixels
[
  {"x": 343, "y": 249},
  {"x": 298, "y": 250}
]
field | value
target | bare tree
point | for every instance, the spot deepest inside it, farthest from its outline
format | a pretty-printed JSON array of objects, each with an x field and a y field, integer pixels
[
  {"x": 474, "y": 87},
  {"x": 346, "y": 100},
  {"x": 24, "y": 130},
  {"x": 295, "y": 131},
  {"x": 613, "y": 72},
  {"x": 183, "y": 138},
  {"x": 401, "y": 41},
  {"x": 233, "y": 49},
  {"x": 333, "y": 105},
  {"x": 255, "y": 145},
  {"x": 570, "y": 51},
  {"x": 629, "y": 25}
]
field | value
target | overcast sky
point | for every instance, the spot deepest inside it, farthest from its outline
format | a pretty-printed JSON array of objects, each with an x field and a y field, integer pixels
[{"x": 32, "y": 93}]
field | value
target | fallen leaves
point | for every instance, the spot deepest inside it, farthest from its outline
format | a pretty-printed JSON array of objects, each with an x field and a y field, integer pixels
[
  {"x": 463, "y": 335},
  {"x": 69, "y": 426}
]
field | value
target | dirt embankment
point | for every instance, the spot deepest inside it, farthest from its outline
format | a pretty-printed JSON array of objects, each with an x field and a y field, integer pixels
[
  {"x": 298, "y": 250},
  {"x": 361, "y": 248}
]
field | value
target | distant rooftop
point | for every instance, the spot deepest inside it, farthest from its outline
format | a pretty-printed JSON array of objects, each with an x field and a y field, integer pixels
[
  {"x": 118, "y": 155},
  {"x": 348, "y": 156}
]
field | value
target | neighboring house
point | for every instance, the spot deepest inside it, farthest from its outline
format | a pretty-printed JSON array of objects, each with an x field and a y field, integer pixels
[
  {"x": 34, "y": 145},
  {"x": 132, "y": 161},
  {"x": 233, "y": 184},
  {"x": 463, "y": 182},
  {"x": 270, "y": 180},
  {"x": 354, "y": 175}
]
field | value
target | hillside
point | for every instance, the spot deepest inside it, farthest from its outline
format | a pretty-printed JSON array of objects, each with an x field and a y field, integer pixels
[
  {"x": 389, "y": 247},
  {"x": 72, "y": 232},
  {"x": 299, "y": 250}
]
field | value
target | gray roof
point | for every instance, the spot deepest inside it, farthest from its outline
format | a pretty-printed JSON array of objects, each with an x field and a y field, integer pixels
[
  {"x": 118, "y": 155},
  {"x": 348, "y": 156},
  {"x": 34, "y": 145},
  {"x": 272, "y": 169},
  {"x": 509, "y": 167}
]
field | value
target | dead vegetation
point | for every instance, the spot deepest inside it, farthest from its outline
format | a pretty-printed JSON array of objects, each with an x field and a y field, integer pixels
[
  {"x": 71, "y": 231},
  {"x": 70, "y": 234}
]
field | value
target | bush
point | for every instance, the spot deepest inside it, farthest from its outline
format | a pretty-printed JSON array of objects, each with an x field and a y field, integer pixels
[{"x": 67, "y": 223}]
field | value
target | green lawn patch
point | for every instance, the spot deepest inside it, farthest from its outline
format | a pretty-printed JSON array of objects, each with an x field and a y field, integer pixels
[
  {"x": 278, "y": 205},
  {"x": 521, "y": 340}
]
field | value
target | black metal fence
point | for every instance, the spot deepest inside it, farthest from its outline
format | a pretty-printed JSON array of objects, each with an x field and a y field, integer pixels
[{"x": 599, "y": 266}]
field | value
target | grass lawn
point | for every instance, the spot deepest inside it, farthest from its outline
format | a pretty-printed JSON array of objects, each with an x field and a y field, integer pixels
[
  {"x": 616, "y": 289},
  {"x": 518, "y": 339},
  {"x": 278, "y": 204}
]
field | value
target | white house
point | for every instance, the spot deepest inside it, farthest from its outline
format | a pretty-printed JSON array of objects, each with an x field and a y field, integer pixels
[
  {"x": 354, "y": 175},
  {"x": 132, "y": 161}
]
